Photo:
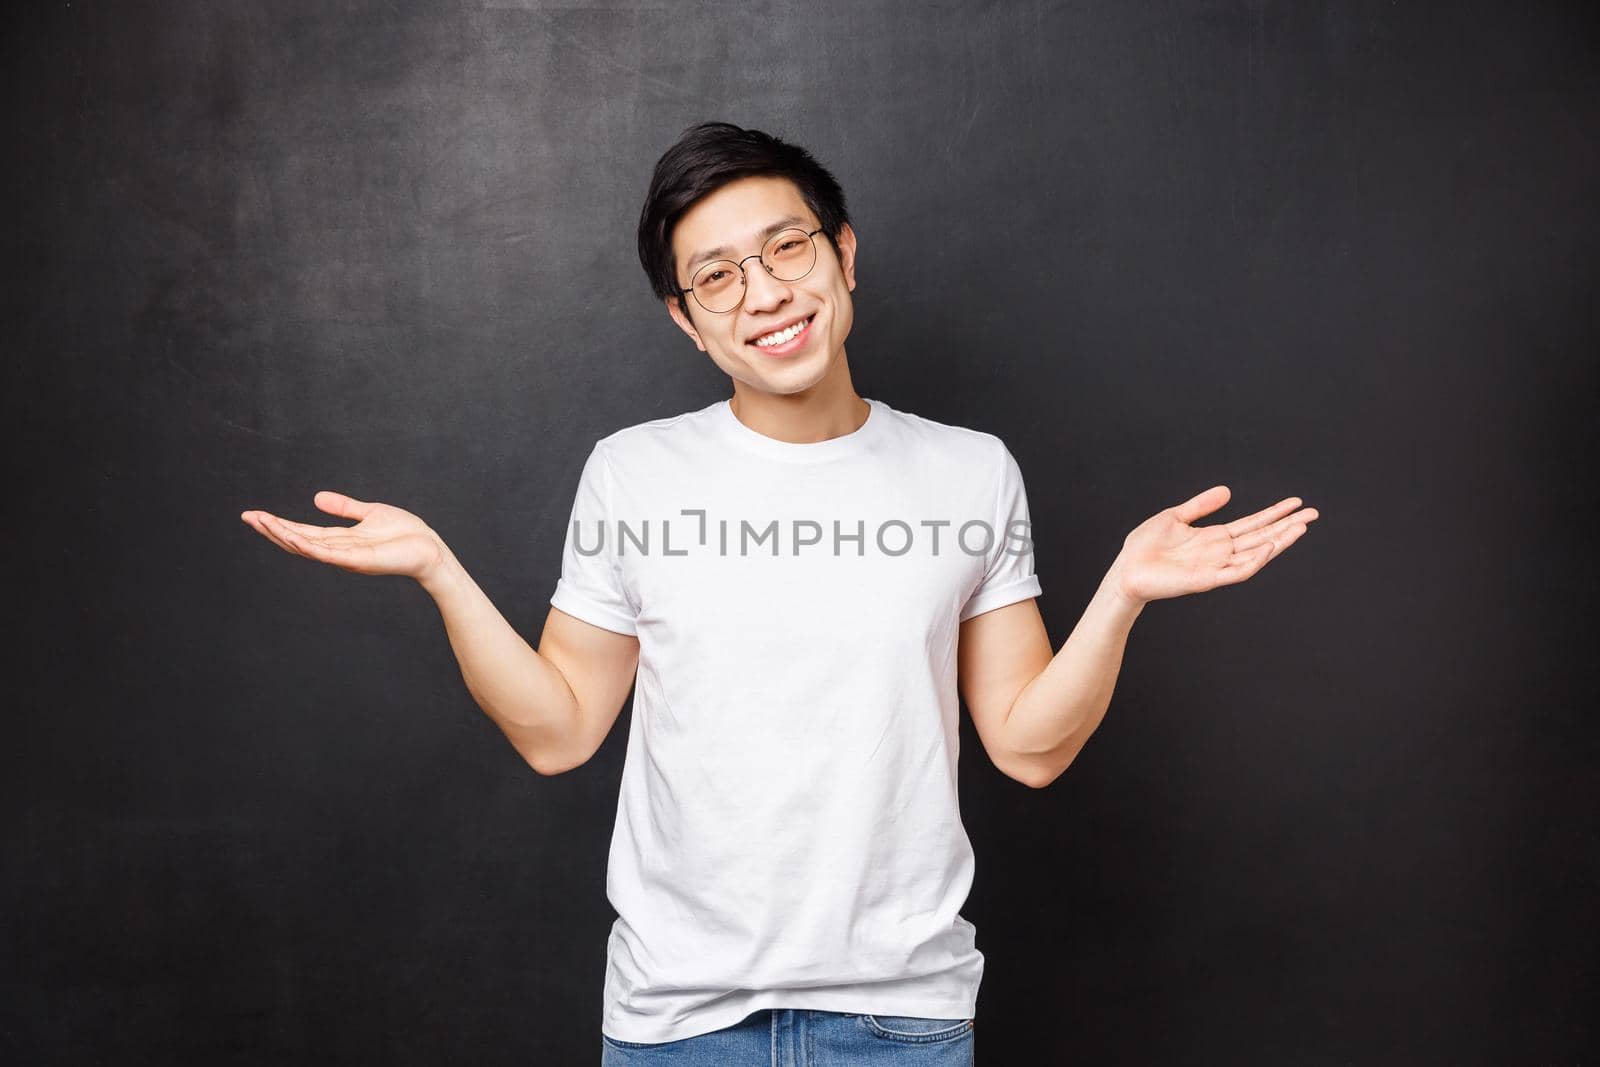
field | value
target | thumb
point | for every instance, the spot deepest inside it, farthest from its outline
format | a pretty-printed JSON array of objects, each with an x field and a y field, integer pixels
[
  {"x": 341, "y": 505},
  {"x": 1202, "y": 504}
]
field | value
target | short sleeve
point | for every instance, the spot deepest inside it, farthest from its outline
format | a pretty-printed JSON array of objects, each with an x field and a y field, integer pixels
[
  {"x": 1010, "y": 576},
  {"x": 590, "y": 587}
]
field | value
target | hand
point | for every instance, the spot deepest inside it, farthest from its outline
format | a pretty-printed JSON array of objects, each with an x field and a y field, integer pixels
[
  {"x": 1165, "y": 556},
  {"x": 384, "y": 540}
]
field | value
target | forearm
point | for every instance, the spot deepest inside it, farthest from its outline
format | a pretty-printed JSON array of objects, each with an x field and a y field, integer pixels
[
  {"x": 522, "y": 691},
  {"x": 1054, "y": 715}
]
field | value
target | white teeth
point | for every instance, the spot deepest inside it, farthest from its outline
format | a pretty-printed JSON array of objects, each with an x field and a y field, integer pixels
[{"x": 782, "y": 335}]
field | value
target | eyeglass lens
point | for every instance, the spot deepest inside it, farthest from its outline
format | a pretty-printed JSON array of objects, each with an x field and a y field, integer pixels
[{"x": 719, "y": 285}]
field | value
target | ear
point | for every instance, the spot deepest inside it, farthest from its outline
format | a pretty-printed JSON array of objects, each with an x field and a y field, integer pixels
[
  {"x": 683, "y": 322},
  {"x": 847, "y": 254}
]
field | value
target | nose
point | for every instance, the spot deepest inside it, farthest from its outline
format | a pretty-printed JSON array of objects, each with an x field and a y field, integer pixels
[{"x": 762, "y": 291}]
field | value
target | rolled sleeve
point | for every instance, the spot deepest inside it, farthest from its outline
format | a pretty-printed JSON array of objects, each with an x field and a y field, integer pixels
[
  {"x": 591, "y": 587},
  {"x": 1010, "y": 575}
]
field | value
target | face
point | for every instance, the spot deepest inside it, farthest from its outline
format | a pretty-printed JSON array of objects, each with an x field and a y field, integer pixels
[{"x": 735, "y": 217}]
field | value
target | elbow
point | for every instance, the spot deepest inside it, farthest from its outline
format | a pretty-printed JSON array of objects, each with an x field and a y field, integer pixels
[
  {"x": 1037, "y": 775},
  {"x": 549, "y": 763},
  {"x": 1026, "y": 775},
  {"x": 545, "y": 768},
  {"x": 547, "y": 751},
  {"x": 549, "y": 770}
]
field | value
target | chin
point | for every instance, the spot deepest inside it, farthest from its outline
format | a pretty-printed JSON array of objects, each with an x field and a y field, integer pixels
[{"x": 794, "y": 377}]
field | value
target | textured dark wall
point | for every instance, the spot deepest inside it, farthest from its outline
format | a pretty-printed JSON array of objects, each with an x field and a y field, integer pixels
[{"x": 1343, "y": 813}]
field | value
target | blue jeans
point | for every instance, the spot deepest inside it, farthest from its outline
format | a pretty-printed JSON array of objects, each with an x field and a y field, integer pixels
[{"x": 797, "y": 1037}]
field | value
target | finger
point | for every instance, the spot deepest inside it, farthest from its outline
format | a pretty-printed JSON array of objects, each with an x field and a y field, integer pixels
[
  {"x": 1277, "y": 531},
  {"x": 309, "y": 547},
  {"x": 1244, "y": 565},
  {"x": 324, "y": 551},
  {"x": 264, "y": 525},
  {"x": 345, "y": 507},
  {"x": 314, "y": 532},
  {"x": 1263, "y": 517},
  {"x": 1254, "y": 559},
  {"x": 1203, "y": 504}
]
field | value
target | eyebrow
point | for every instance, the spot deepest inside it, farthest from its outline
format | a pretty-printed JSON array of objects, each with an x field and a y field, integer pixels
[{"x": 723, "y": 250}]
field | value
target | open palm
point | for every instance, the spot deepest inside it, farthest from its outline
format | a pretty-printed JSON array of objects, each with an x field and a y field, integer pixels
[
  {"x": 1165, "y": 556},
  {"x": 384, "y": 540}
]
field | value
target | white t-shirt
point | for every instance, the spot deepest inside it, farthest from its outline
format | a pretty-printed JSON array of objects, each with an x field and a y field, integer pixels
[{"x": 788, "y": 833}]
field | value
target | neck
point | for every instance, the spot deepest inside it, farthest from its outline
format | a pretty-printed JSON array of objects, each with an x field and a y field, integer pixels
[{"x": 820, "y": 413}]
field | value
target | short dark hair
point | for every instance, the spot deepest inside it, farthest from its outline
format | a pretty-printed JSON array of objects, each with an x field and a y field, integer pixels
[{"x": 709, "y": 156}]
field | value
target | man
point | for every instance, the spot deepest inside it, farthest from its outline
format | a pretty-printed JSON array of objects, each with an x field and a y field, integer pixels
[{"x": 799, "y": 580}]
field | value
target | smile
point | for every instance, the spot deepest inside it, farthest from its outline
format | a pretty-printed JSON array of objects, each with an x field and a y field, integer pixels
[{"x": 785, "y": 340}]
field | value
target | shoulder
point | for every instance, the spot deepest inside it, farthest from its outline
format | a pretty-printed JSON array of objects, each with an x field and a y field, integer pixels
[
  {"x": 953, "y": 442},
  {"x": 644, "y": 440}
]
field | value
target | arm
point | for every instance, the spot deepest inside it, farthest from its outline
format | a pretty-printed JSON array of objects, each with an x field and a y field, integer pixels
[
  {"x": 555, "y": 705},
  {"x": 1034, "y": 711}
]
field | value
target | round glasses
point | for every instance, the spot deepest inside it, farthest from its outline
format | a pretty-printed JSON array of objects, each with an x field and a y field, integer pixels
[{"x": 788, "y": 256}]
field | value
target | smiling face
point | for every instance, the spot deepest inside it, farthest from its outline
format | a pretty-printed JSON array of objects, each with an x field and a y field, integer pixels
[{"x": 736, "y": 218}]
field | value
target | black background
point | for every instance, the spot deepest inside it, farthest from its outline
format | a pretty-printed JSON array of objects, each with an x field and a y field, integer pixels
[{"x": 1342, "y": 813}]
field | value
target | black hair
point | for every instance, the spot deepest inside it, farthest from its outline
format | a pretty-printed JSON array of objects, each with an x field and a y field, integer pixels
[{"x": 709, "y": 156}]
